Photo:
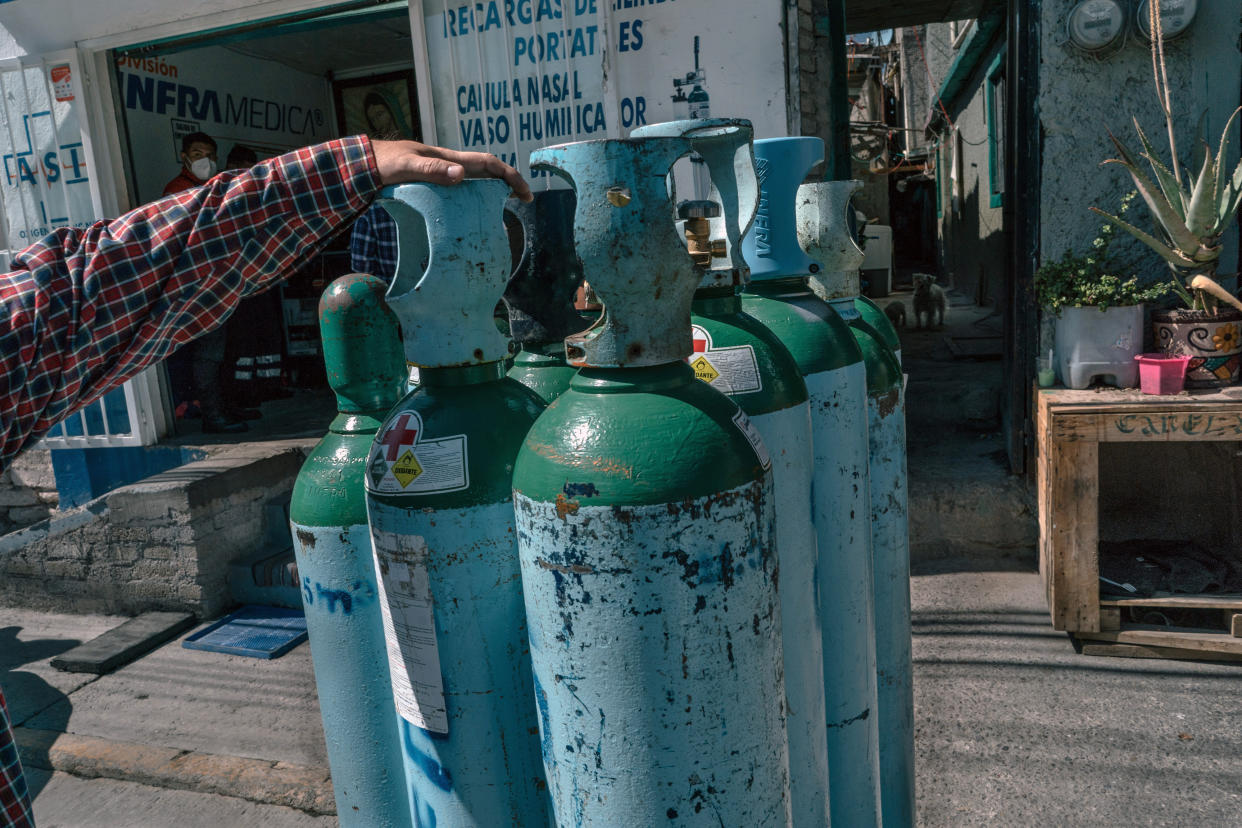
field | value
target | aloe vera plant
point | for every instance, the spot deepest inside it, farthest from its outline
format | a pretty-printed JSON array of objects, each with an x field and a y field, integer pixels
[
  {"x": 1192, "y": 215},
  {"x": 1192, "y": 211}
]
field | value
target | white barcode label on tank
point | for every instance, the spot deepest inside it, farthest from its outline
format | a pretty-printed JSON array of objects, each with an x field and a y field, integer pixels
[
  {"x": 752, "y": 434},
  {"x": 410, "y": 629}
]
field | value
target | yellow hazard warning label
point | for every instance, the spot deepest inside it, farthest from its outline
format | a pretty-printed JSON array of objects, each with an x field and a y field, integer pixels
[
  {"x": 704, "y": 370},
  {"x": 406, "y": 468}
]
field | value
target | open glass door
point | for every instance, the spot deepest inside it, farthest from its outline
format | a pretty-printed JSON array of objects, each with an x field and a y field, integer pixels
[{"x": 50, "y": 182}]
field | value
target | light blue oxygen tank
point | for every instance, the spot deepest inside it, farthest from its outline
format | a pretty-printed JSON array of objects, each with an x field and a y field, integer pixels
[
  {"x": 439, "y": 504},
  {"x": 823, "y": 224},
  {"x": 832, "y": 365},
  {"x": 645, "y": 527},
  {"x": 738, "y": 355}
]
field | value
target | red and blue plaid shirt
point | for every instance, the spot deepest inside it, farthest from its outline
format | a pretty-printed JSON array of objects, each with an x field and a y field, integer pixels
[
  {"x": 14, "y": 798},
  {"x": 84, "y": 310},
  {"x": 373, "y": 244}
]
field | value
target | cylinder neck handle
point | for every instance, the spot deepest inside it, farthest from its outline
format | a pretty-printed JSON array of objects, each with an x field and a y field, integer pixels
[
  {"x": 453, "y": 261},
  {"x": 631, "y": 252},
  {"x": 771, "y": 246},
  {"x": 826, "y": 231}
]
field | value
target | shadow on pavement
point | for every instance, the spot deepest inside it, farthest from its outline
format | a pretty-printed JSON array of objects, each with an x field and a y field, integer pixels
[{"x": 28, "y": 693}]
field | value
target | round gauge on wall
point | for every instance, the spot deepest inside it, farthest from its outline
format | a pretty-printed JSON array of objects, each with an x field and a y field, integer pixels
[
  {"x": 1175, "y": 17},
  {"x": 1095, "y": 25}
]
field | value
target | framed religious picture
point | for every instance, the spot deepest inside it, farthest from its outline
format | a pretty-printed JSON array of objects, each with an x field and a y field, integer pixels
[{"x": 382, "y": 106}]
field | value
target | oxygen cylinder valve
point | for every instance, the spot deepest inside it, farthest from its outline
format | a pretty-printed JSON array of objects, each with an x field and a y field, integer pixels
[
  {"x": 541, "y": 294},
  {"x": 698, "y": 229},
  {"x": 724, "y": 145},
  {"x": 630, "y": 250},
  {"x": 446, "y": 303}
]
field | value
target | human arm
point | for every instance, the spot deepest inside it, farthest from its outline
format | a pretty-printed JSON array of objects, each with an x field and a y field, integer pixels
[{"x": 84, "y": 310}]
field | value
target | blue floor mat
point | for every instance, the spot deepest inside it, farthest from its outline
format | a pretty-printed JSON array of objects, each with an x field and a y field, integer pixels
[{"x": 257, "y": 632}]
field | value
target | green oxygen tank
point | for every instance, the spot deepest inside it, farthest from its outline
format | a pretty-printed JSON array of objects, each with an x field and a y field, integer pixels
[
  {"x": 645, "y": 527},
  {"x": 439, "y": 500},
  {"x": 328, "y": 516}
]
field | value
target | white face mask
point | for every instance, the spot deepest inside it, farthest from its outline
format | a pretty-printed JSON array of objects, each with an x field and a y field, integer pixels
[{"x": 203, "y": 168}]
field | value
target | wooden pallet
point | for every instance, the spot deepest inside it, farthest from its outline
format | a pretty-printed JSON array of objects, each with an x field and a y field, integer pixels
[{"x": 1070, "y": 425}]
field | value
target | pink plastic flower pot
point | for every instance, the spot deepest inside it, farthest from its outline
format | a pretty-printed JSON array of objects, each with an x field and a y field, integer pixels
[{"x": 1162, "y": 373}]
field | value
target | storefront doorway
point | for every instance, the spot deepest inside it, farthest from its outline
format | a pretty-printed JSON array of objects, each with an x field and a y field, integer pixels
[{"x": 260, "y": 89}]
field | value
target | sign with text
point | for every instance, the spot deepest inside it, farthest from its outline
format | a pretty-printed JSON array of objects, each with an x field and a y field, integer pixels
[
  {"x": 510, "y": 76},
  {"x": 236, "y": 99},
  {"x": 46, "y": 170}
]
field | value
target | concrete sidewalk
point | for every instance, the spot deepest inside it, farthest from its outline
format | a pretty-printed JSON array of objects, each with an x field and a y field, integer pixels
[
  {"x": 243, "y": 729},
  {"x": 1012, "y": 726}
]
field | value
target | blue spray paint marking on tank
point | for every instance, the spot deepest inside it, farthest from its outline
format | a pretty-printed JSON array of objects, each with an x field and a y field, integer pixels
[
  {"x": 441, "y": 520},
  {"x": 655, "y": 624},
  {"x": 333, "y": 550},
  {"x": 836, "y": 381},
  {"x": 545, "y": 722},
  {"x": 433, "y": 772},
  {"x": 824, "y": 213},
  {"x": 424, "y": 814},
  {"x": 358, "y": 594}
]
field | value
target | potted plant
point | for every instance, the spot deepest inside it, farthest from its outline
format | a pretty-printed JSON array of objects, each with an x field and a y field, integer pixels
[
  {"x": 1192, "y": 207},
  {"x": 1098, "y": 304}
]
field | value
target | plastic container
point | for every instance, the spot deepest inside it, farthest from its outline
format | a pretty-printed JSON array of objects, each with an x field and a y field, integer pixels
[
  {"x": 1099, "y": 344},
  {"x": 1162, "y": 373}
]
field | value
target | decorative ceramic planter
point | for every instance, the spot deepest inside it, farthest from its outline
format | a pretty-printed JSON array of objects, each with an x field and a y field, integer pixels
[
  {"x": 1212, "y": 341},
  {"x": 1093, "y": 343}
]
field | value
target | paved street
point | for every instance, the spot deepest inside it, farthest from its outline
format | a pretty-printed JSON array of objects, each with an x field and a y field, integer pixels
[{"x": 1012, "y": 727}]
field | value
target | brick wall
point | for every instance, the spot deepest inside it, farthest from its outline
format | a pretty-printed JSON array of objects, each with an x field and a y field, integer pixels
[
  {"x": 27, "y": 491},
  {"x": 810, "y": 86},
  {"x": 165, "y": 542}
]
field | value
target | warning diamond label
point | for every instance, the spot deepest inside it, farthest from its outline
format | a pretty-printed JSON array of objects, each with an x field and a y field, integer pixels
[
  {"x": 704, "y": 371},
  {"x": 377, "y": 470},
  {"x": 406, "y": 468},
  {"x": 731, "y": 370},
  {"x": 404, "y": 460}
]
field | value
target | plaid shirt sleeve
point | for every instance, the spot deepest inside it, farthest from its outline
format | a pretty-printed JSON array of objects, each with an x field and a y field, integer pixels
[
  {"x": 84, "y": 310},
  {"x": 373, "y": 244},
  {"x": 14, "y": 798}
]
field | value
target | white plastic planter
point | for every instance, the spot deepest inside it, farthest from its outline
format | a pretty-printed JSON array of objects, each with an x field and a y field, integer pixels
[{"x": 1091, "y": 343}]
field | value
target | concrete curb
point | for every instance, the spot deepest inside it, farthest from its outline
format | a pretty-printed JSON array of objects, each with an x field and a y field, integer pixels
[{"x": 256, "y": 780}]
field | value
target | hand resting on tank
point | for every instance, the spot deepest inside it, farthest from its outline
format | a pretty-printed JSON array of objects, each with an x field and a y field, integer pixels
[{"x": 404, "y": 161}]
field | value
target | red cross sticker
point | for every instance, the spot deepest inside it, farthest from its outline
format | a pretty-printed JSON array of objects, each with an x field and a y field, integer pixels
[
  {"x": 397, "y": 436},
  {"x": 699, "y": 337}
]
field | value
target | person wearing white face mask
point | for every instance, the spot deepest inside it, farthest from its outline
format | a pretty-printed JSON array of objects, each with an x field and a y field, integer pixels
[
  {"x": 206, "y": 354},
  {"x": 198, "y": 163}
]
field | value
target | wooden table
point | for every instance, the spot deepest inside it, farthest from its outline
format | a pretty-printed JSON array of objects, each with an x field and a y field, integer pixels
[{"x": 1070, "y": 426}]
